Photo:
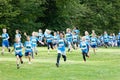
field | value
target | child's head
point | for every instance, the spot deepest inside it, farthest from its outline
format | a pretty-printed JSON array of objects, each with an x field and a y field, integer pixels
[
  {"x": 48, "y": 31},
  {"x": 86, "y": 33},
  {"x": 28, "y": 38},
  {"x": 33, "y": 33},
  {"x": 40, "y": 31},
  {"x": 17, "y": 31},
  {"x": 58, "y": 32},
  {"x": 111, "y": 34},
  {"x": 4, "y": 30},
  {"x": 17, "y": 39},
  {"x": 105, "y": 32},
  {"x": 83, "y": 38},
  {"x": 93, "y": 31},
  {"x": 68, "y": 30},
  {"x": 61, "y": 34}
]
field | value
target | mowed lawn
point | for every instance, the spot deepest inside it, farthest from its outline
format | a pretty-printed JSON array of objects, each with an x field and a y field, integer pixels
[{"x": 105, "y": 65}]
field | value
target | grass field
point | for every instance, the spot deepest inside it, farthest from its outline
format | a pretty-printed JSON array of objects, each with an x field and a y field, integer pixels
[{"x": 105, "y": 65}]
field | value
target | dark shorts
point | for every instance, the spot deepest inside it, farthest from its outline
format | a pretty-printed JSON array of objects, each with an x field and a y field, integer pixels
[
  {"x": 93, "y": 46},
  {"x": 84, "y": 52},
  {"x": 49, "y": 44},
  {"x": 106, "y": 43},
  {"x": 28, "y": 53}
]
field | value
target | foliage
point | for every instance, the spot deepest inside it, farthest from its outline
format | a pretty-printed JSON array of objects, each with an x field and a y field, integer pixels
[{"x": 30, "y": 15}]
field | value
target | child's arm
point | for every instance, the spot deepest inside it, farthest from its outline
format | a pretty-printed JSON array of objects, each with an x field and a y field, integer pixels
[
  {"x": 12, "y": 50},
  {"x": 45, "y": 40},
  {"x": 41, "y": 42},
  {"x": 25, "y": 34}
]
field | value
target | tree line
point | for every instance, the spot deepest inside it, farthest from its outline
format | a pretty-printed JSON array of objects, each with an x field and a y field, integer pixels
[{"x": 31, "y": 15}]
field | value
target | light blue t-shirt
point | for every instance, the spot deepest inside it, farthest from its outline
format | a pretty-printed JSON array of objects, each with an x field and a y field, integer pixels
[
  {"x": 5, "y": 36},
  {"x": 106, "y": 38},
  {"x": 55, "y": 39},
  {"x": 28, "y": 46},
  {"x": 93, "y": 41},
  {"x": 69, "y": 37},
  {"x": 84, "y": 47},
  {"x": 18, "y": 47},
  {"x": 34, "y": 40},
  {"x": 40, "y": 36},
  {"x": 61, "y": 45},
  {"x": 75, "y": 38},
  {"x": 49, "y": 38}
]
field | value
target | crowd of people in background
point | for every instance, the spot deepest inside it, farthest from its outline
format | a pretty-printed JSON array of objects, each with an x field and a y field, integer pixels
[{"x": 58, "y": 40}]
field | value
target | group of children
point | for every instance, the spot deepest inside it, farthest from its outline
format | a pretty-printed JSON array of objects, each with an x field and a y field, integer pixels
[{"x": 59, "y": 40}]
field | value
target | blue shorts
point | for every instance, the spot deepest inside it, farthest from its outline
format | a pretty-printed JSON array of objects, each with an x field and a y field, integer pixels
[
  {"x": 5, "y": 43},
  {"x": 106, "y": 43},
  {"x": 28, "y": 53},
  {"x": 83, "y": 52},
  {"x": 54, "y": 44},
  {"x": 93, "y": 46},
  {"x": 19, "y": 54}
]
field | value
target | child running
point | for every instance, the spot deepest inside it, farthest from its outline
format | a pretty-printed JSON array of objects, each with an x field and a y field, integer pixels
[
  {"x": 61, "y": 49},
  {"x": 49, "y": 39},
  {"x": 69, "y": 39},
  {"x": 5, "y": 42},
  {"x": 55, "y": 40},
  {"x": 40, "y": 35},
  {"x": 18, "y": 35},
  {"x": 18, "y": 51},
  {"x": 87, "y": 39},
  {"x": 93, "y": 43},
  {"x": 106, "y": 39},
  {"x": 34, "y": 40},
  {"x": 84, "y": 47},
  {"x": 28, "y": 49},
  {"x": 75, "y": 40}
]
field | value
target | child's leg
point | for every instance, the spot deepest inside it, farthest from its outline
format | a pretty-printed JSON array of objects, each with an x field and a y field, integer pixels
[
  {"x": 87, "y": 55},
  {"x": 84, "y": 58},
  {"x": 29, "y": 58},
  {"x": 48, "y": 46},
  {"x": 21, "y": 60},
  {"x": 3, "y": 49},
  {"x": 75, "y": 45},
  {"x": 8, "y": 49},
  {"x": 94, "y": 50},
  {"x": 69, "y": 46},
  {"x": 17, "y": 59},
  {"x": 51, "y": 45},
  {"x": 58, "y": 59},
  {"x": 64, "y": 57},
  {"x": 32, "y": 54},
  {"x": 35, "y": 50},
  {"x": 72, "y": 45},
  {"x": 17, "y": 62}
]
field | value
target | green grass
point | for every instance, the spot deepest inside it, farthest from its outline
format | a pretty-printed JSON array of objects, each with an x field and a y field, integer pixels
[{"x": 105, "y": 65}]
